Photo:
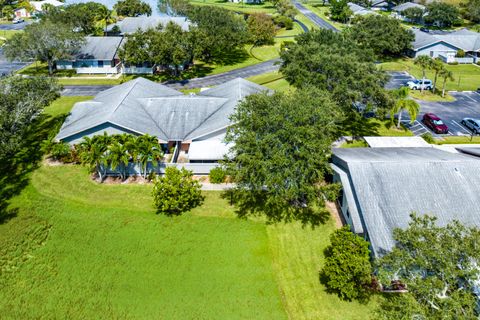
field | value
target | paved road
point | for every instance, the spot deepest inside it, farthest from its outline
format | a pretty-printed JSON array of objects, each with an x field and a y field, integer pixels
[
  {"x": 83, "y": 90},
  {"x": 467, "y": 105},
  {"x": 11, "y": 26},
  {"x": 313, "y": 17},
  {"x": 7, "y": 67},
  {"x": 208, "y": 81}
]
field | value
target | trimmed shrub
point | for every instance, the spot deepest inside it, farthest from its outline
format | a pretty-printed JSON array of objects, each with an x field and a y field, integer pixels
[
  {"x": 460, "y": 54},
  {"x": 176, "y": 192},
  {"x": 284, "y": 22},
  {"x": 428, "y": 137},
  {"x": 217, "y": 175}
]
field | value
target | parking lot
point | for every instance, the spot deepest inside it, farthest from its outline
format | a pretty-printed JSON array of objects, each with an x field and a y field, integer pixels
[
  {"x": 398, "y": 79},
  {"x": 466, "y": 105}
]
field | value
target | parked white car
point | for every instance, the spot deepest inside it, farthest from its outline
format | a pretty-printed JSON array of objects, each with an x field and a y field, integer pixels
[
  {"x": 17, "y": 20},
  {"x": 417, "y": 84},
  {"x": 472, "y": 124}
]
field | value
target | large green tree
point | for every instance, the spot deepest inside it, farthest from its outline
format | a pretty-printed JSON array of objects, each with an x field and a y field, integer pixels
[
  {"x": 22, "y": 100},
  {"x": 85, "y": 17},
  {"x": 46, "y": 41},
  {"x": 472, "y": 10},
  {"x": 261, "y": 29},
  {"x": 168, "y": 47},
  {"x": 339, "y": 10},
  {"x": 438, "y": 265},
  {"x": 221, "y": 31},
  {"x": 443, "y": 14},
  {"x": 132, "y": 8},
  {"x": 279, "y": 155},
  {"x": 384, "y": 35},
  {"x": 347, "y": 271},
  {"x": 334, "y": 62}
]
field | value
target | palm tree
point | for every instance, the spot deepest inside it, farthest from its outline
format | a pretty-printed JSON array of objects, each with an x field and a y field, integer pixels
[
  {"x": 403, "y": 103},
  {"x": 424, "y": 62},
  {"x": 92, "y": 153},
  {"x": 148, "y": 150},
  {"x": 436, "y": 66},
  {"x": 118, "y": 158},
  {"x": 445, "y": 74}
]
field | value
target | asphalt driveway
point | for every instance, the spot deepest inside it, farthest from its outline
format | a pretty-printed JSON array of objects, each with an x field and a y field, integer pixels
[
  {"x": 398, "y": 79},
  {"x": 466, "y": 105}
]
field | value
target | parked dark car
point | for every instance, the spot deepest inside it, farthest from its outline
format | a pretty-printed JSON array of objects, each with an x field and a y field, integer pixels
[{"x": 434, "y": 123}]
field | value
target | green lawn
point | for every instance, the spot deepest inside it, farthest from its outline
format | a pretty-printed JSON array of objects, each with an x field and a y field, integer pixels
[
  {"x": 273, "y": 80},
  {"x": 467, "y": 76},
  {"x": 265, "y": 7},
  {"x": 72, "y": 248},
  {"x": 7, "y": 34}
]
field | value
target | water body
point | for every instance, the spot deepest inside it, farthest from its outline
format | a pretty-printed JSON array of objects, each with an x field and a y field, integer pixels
[{"x": 110, "y": 3}]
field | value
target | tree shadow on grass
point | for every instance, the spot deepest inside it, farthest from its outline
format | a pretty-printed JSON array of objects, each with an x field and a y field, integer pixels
[
  {"x": 231, "y": 57},
  {"x": 357, "y": 126},
  {"x": 15, "y": 170}
]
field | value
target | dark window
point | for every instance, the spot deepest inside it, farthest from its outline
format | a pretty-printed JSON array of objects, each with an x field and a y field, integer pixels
[
  {"x": 100, "y": 64},
  {"x": 340, "y": 198}
]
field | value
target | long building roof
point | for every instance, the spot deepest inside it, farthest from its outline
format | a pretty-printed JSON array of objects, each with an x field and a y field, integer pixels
[
  {"x": 388, "y": 184},
  {"x": 146, "y": 107},
  {"x": 132, "y": 24},
  {"x": 463, "y": 39}
]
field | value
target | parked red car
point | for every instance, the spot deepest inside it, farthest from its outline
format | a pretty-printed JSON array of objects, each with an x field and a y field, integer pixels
[{"x": 434, "y": 123}]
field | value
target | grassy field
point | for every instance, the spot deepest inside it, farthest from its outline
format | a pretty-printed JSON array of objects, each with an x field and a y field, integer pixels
[
  {"x": 7, "y": 34},
  {"x": 273, "y": 80},
  {"x": 72, "y": 248},
  {"x": 467, "y": 76}
]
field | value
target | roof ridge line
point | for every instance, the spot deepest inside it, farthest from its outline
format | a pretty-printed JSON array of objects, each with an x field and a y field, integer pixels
[
  {"x": 125, "y": 97},
  {"x": 209, "y": 116},
  {"x": 151, "y": 118}
]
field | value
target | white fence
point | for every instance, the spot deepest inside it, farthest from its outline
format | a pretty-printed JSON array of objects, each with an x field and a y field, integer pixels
[
  {"x": 465, "y": 60},
  {"x": 135, "y": 170},
  {"x": 97, "y": 70},
  {"x": 137, "y": 70}
]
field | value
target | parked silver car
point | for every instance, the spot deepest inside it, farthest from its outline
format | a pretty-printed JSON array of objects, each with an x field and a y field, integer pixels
[
  {"x": 417, "y": 84},
  {"x": 472, "y": 124}
]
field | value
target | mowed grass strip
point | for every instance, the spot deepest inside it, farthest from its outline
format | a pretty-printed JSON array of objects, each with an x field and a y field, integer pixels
[{"x": 109, "y": 256}]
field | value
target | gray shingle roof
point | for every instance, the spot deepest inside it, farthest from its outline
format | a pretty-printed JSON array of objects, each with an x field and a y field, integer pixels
[
  {"x": 100, "y": 48},
  {"x": 359, "y": 10},
  {"x": 132, "y": 24},
  {"x": 462, "y": 39},
  {"x": 147, "y": 107},
  {"x": 390, "y": 183},
  {"x": 407, "y": 5}
]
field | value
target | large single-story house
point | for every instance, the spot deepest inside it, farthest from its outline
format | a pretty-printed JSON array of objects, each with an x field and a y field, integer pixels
[
  {"x": 38, "y": 5},
  {"x": 130, "y": 25},
  {"x": 400, "y": 9},
  {"x": 381, "y": 187},
  {"x": 446, "y": 45},
  {"x": 383, "y": 5},
  {"x": 194, "y": 124},
  {"x": 99, "y": 55},
  {"x": 358, "y": 10}
]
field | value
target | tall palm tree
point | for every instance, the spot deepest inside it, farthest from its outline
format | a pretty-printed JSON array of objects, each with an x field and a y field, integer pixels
[
  {"x": 424, "y": 62},
  {"x": 148, "y": 150},
  {"x": 118, "y": 158},
  {"x": 445, "y": 75},
  {"x": 436, "y": 66},
  {"x": 403, "y": 103}
]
